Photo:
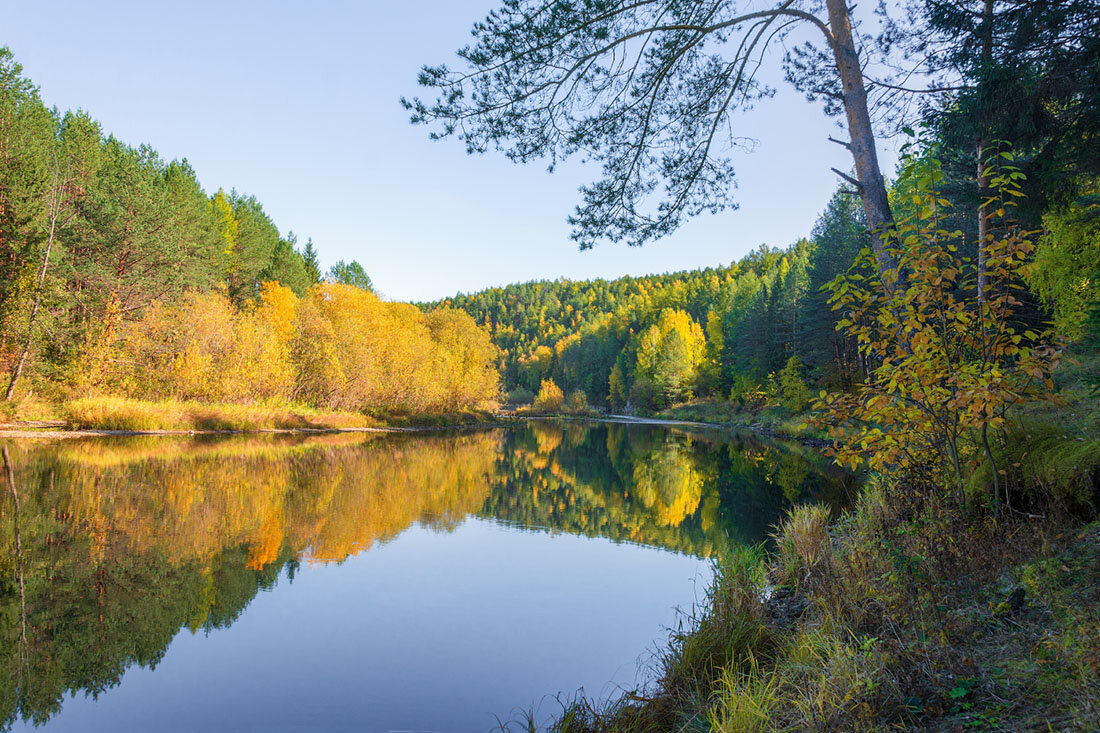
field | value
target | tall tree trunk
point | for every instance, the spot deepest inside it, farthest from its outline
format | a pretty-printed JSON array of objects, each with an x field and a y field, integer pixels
[
  {"x": 55, "y": 211},
  {"x": 985, "y": 233},
  {"x": 872, "y": 186}
]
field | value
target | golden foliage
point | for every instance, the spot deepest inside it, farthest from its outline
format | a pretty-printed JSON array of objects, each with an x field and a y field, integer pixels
[
  {"x": 338, "y": 348},
  {"x": 947, "y": 363},
  {"x": 550, "y": 397}
]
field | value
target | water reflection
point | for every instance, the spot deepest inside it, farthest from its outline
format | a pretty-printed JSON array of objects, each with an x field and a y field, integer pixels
[{"x": 111, "y": 547}]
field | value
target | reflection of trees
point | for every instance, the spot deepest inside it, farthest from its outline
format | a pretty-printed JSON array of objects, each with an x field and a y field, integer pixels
[
  {"x": 109, "y": 547},
  {"x": 121, "y": 549},
  {"x": 326, "y": 502},
  {"x": 689, "y": 492},
  {"x": 668, "y": 483}
]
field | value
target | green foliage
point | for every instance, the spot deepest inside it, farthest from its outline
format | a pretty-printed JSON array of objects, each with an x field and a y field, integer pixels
[
  {"x": 793, "y": 391},
  {"x": 1048, "y": 460},
  {"x": 1066, "y": 262},
  {"x": 1036, "y": 88},
  {"x": 521, "y": 396},
  {"x": 309, "y": 261},
  {"x": 590, "y": 335},
  {"x": 350, "y": 273}
]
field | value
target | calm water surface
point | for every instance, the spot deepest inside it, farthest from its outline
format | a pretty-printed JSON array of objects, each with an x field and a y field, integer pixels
[{"x": 430, "y": 582}]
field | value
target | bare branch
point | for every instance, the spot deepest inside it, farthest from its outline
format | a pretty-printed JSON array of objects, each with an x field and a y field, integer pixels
[{"x": 848, "y": 178}]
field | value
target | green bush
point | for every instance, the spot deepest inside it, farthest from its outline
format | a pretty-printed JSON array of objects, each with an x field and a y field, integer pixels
[
  {"x": 577, "y": 403},
  {"x": 521, "y": 396}
]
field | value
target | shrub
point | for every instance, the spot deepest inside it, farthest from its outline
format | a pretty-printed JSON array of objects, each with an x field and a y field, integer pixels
[
  {"x": 950, "y": 369},
  {"x": 521, "y": 396},
  {"x": 550, "y": 397},
  {"x": 577, "y": 403}
]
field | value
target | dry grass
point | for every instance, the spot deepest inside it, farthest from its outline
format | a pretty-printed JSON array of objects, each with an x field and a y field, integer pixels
[
  {"x": 801, "y": 544},
  {"x": 28, "y": 409},
  {"x": 119, "y": 413}
]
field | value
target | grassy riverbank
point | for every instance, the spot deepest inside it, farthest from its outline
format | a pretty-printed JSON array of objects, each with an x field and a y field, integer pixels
[
  {"x": 129, "y": 415},
  {"x": 771, "y": 420},
  {"x": 117, "y": 413},
  {"x": 919, "y": 608}
]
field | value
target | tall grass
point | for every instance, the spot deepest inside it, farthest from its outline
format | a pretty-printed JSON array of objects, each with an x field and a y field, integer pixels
[{"x": 801, "y": 544}]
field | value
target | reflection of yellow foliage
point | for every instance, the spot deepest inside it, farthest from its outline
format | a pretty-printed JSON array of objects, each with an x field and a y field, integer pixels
[
  {"x": 668, "y": 483},
  {"x": 97, "y": 453},
  {"x": 548, "y": 436},
  {"x": 326, "y": 498},
  {"x": 264, "y": 546}
]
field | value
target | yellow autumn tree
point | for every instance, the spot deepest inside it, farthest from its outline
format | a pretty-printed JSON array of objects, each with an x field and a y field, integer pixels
[
  {"x": 950, "y": 366},
  {"x": 339, "y": 347},
  {"x": 671, "y": 354},
  {"x": 550, "y": 397}
]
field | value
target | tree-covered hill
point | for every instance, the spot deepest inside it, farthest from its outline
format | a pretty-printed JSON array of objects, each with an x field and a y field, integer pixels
[{"x": 651, "y": 340}]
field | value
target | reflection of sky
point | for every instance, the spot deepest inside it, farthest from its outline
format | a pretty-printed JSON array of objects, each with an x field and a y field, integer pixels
[{"x": 430, "y": 632}]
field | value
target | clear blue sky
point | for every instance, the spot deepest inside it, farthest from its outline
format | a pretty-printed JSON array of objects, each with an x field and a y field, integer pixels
[{"x": 297, "y": 103}]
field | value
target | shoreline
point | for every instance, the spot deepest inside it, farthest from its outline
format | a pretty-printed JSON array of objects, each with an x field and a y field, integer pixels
[
  {"x": 57, "y": 430},
  {"x": 8, "y": 431}
]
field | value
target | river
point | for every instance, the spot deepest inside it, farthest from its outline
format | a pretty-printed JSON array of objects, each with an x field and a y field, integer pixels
[{"x": 448, "y": 581}]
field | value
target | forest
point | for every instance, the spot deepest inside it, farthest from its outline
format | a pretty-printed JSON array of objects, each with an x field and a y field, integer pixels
[
  {"x": 121, "y": 278},
  {"x": 645, "y": 343}
]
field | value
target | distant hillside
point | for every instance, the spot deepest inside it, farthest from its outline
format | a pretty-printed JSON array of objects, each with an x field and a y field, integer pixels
[{"x": 652, "y": 340}]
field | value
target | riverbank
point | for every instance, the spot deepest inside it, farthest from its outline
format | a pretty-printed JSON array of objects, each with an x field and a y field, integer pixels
[
  {"x": 113, "y": 416},
  {"x": 775, "y": 422},
  {"x": 107, "y": 416},
  {"x": 912, "y": 610}
]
